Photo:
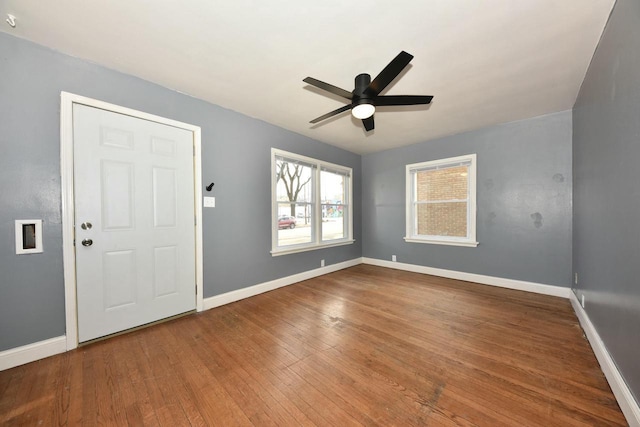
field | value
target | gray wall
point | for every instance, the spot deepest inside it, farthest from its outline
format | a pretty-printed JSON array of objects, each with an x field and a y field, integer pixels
[
  {"x": 235, "y": 155},
  {"x": 606, "y": 151},
  {"x": 523, "y": 169}
]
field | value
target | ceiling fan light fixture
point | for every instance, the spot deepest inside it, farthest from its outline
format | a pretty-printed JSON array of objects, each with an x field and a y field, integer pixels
[{"x": 363, "y": 111}]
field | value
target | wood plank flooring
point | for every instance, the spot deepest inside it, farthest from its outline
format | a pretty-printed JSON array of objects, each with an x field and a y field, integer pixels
[{"x": 362, "y": 346}]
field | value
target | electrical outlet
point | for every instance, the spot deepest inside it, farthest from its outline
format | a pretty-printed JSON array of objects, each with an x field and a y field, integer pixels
[
  {"x": 393, "y": 258},
  {"x": 582, "y": 300},
  {"x": 321, "y": 263},
  {"x": 575, "y": 278}
]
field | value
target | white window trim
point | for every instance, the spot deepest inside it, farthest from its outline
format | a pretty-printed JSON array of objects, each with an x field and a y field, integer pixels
[
  {"x": 316, "y": 234},
  {"x": 471, "y": 220}
]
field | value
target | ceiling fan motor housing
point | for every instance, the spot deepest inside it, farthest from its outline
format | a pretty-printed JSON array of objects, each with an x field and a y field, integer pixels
[{"x": 362, "y": 82}]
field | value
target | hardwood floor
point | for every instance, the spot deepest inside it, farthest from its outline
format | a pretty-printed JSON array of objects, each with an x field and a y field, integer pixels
[{"x": 362, "y": 346}]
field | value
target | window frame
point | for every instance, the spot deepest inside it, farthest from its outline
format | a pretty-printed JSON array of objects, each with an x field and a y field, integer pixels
[
  {"x": 411, "y": 236},
  {"x": 316, "y": 194}
]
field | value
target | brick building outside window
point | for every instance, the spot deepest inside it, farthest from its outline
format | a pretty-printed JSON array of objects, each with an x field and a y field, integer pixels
[{"x": 441, "y": 201}]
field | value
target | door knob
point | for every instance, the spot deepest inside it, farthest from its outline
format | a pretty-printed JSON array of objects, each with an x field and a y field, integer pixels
[{"x": 87, "y": 242}]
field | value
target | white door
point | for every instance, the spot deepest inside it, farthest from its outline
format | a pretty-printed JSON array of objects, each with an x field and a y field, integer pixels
[{"x": 134, "y": 221}]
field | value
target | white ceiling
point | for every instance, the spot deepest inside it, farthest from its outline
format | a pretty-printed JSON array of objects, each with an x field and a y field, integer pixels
[{"x": 485, "y": 62}]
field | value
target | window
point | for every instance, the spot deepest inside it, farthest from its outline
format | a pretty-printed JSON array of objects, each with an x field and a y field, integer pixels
[
  {"x": 311, "y": 203},
  {"x": 441, "y": 201}
]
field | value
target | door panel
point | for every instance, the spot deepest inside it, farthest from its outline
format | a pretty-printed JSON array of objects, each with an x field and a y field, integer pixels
[
  {"x": 117, "y": 195},
  {"x": 119, "y": 278},
  {"x": 164, "y": 197},
  {"x": 133, "y": 181},
  {"x": 165, "y": 261}
]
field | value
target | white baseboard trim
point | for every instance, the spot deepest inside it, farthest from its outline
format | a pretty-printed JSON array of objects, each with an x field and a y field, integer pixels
[
  {"x": 32, "y": 352},
  {"x": 233, "y": 296},
  {"x": 556, "y": 291},
  {"x": 621, "y": 391}
]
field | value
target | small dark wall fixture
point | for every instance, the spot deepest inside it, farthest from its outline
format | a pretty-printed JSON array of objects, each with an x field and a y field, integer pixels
[{"x": 210, "y": 186}]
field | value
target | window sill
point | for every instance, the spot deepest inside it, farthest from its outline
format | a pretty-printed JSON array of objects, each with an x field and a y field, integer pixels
[
  {"x": 278, "y": 252},
  {"x": 441, "y": 242}
]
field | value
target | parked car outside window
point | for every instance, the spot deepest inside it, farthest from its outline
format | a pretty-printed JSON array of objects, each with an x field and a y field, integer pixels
[{"x": 286, "y": 221}]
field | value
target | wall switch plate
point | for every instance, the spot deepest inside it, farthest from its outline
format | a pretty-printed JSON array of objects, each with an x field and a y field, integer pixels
[
  {"x": 575, "y": 278},
  {"x": 582, "y": 300},
  {"x": 209, "y": 202},
  {"x": 321, "y": 263},
  {"x": 393, "y": 258}
]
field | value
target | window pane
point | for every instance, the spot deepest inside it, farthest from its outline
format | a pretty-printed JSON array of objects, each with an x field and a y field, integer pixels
[
  {"x": 332, "y": 188},
  {"x": 333, "y": 199},
  {"x": 442, "y": 184},
  {"x": 333, "y": 222},
  {"x": 443, "y": 193},
  {"x": 442, "y": 219},
  {"x": 294, "y": 223},
  {"x": 293, "y": 181}
]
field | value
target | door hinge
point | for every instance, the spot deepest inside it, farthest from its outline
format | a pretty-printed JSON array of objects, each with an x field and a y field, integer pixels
[
  {"x": 195, "y": 220},
  {"x": 194, "y": 150}
]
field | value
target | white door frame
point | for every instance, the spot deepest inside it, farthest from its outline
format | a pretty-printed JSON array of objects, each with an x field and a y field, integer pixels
[{"x": 68, "y": 207}]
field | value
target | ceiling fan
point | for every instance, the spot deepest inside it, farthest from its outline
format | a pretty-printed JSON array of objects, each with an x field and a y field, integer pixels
[{"x": 366, "y": 95}]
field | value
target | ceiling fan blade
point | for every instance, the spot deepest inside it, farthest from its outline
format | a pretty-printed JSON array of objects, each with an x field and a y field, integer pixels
[
  {"x": 389, "y": 73},
  {"x": 402, "y": 100},
  {"x": 368, "y": 123},
  {"x": 328, "y": 87},
  {"x": 331, "y": 114}
]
